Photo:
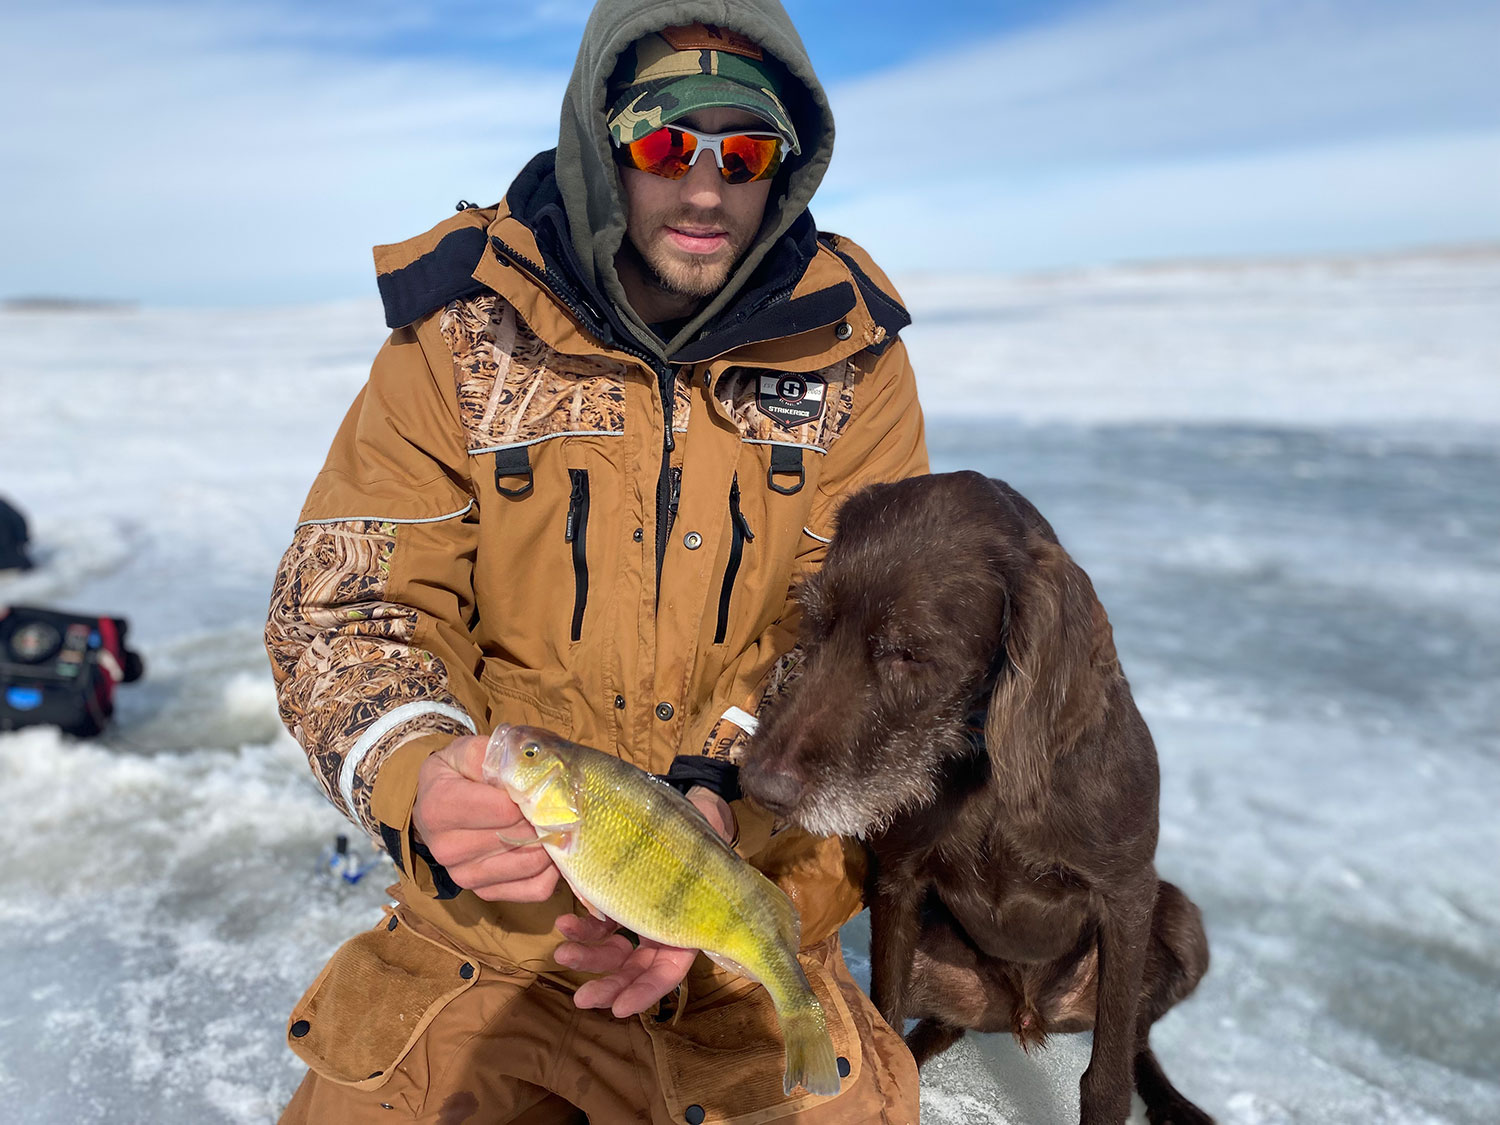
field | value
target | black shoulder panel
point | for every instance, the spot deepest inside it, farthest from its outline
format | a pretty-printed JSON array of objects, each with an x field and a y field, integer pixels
[
  {"x": 784, "y": 319},
  {"x": 887, "y": 312},
  {"x": 445, "y": 273}
]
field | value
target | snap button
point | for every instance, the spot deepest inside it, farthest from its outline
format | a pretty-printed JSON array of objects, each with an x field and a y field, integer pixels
[
  {"x": 620, "y": 702},
  {"x": 843, "y": 331},
  {"x": 694, "y": 1115},
  {"x": 664, "y": 711},
  {"x": 300, "y": 1028},
  {"x": 692, "y": 541},
  {"x": 843, "y": 1067},
  {"x": 466, "y": 971},
  {"x": 638, "y": 534}
]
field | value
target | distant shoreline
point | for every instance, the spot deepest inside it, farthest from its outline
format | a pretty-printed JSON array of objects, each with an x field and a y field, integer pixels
[{"x": 65, "y": 305}]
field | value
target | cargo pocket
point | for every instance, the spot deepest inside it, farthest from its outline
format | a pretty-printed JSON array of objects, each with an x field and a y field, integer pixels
[
  {"x": 722, "y": 1063},
  {"x": 373, "y": 1000}
]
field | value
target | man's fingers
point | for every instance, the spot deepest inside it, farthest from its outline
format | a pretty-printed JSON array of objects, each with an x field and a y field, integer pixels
[
  {"x": 662, "y": 973},
  {"x": 458, "y": 846},
  {"x": 599, "y": 993},
  {"x": 466, "y": 755},
  {"x": 509, "y": 866},
  {"x": 648, "y": 974},
  {"x": 456, "y": 802},
  {"x": 538, "y": 888},
  {"x": 605, "y": 956},
  {"x": 574, "y": 927}
]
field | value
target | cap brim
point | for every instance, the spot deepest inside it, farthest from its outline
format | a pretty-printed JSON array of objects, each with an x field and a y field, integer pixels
[{"x": 643, "y": 108}]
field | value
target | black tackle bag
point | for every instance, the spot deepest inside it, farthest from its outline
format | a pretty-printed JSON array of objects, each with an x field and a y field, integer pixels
[
  {"x": 61, "y": 669},
  {"x": 13, "y": 538}
]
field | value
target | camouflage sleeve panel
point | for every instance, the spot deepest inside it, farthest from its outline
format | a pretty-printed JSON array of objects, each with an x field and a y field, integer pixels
[
  {"x": 728, "y": 739},
  {"x": 355, "y": 680}
]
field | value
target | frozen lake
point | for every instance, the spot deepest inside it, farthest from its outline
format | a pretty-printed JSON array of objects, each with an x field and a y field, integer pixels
[{"x": 1284, "y": 480}]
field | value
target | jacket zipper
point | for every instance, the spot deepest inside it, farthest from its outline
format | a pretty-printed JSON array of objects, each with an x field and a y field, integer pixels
[
  {"x": 666, "y": 379},
  {"x": 665, "y": 505},
  {"x": 674, "y": 496},
  {"x": 577, "y": 534},
  {"x": 740, "y": 534}
]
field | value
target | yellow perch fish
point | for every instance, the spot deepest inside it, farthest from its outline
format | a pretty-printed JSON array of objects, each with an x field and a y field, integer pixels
[{"x": 639, "y": 851}]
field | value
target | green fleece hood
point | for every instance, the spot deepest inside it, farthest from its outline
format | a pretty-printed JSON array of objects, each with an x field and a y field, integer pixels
[{"x": 586, "y": 174}]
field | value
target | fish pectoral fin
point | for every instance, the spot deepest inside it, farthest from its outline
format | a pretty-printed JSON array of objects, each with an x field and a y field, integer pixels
[
  {"x": 591, "y": 908},
  {"x": 557, "y": 835},
  {"x": 728, "y": 963},
  {"x": 517, "y": 842}
]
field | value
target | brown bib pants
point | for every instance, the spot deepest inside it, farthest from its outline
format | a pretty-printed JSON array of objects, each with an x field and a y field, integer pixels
[{"x": 459, "y": 1042}]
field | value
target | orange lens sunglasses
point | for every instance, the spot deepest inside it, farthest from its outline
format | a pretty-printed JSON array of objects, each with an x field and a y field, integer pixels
[{"x": 671, "y": 150}]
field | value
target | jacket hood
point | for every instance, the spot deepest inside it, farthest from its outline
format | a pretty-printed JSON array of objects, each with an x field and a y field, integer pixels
[{"x": 589, "y": 185}]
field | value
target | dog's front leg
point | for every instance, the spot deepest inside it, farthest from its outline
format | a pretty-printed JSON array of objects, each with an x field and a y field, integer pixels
[
  {"x": 895, "y": 923},
  {"x": 1124, "y": 931}
]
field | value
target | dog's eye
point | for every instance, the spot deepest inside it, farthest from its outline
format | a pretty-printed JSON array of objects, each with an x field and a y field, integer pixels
[{"x": 898, "y": 655}]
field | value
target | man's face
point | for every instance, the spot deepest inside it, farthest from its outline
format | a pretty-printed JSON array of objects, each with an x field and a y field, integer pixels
[{"x": 688, "y": 234}]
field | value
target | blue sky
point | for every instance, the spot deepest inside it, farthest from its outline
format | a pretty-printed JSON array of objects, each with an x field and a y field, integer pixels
[{"x": 216, "y": 153}]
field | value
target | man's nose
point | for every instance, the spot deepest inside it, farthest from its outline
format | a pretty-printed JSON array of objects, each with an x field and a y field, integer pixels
[{"x": 703, "y": 186}]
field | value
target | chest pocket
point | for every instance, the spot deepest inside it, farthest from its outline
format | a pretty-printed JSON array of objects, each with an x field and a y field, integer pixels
[
  {"x": 515, "y": 391},
  {"x": 809, "y": 409}
]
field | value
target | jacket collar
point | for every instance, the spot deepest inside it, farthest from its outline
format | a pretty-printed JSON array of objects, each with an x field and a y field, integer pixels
[{"x": 521, "y": 250}]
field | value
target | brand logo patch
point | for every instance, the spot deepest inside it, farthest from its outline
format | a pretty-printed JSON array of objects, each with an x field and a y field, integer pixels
[
  {"x": 709, "y": 37},
  {"x": 791, "y": 398}
]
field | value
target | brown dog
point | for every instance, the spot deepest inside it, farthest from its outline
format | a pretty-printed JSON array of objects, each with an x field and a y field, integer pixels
[{"x": 961, "y": 709}]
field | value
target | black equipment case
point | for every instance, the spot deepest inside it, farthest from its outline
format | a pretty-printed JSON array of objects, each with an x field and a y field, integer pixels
[{"x": 61, "y": 668}]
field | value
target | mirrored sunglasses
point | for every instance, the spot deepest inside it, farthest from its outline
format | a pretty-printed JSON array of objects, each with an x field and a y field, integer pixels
[{"x": 671, "y": 150}]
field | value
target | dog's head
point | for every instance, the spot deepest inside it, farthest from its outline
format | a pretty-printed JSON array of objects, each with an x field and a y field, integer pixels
[{"x": 944, "y": 603}]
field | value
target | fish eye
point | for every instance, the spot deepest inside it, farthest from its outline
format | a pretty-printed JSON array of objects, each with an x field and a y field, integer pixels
[{"x": 530, "y": 749}]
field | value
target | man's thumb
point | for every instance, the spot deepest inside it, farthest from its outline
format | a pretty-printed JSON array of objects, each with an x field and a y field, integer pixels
[{"x": 466, "y": 755}]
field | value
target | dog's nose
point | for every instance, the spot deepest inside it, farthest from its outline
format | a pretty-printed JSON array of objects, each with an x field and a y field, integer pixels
[{"x": 778, "y": 790}]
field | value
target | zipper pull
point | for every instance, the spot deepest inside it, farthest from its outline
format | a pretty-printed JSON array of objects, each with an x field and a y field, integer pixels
[
  {"x": 674, "y": 495},
  {"x": 734, "y": 510},
  {"x": 575, "y": 506}
]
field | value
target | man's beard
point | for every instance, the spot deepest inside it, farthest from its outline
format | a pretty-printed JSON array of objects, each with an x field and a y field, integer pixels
[{"x": 691, "y": 277}]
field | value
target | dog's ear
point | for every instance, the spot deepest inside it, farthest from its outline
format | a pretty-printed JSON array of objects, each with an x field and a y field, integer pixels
[{"x": 1059, "y": 650}]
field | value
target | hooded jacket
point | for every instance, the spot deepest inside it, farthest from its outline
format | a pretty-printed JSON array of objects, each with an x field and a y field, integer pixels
[{"x": 538, "y": 512}]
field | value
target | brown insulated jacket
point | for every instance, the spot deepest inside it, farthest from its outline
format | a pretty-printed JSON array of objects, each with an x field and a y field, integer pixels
[
  {"x": 512, "y": 526},
  {"x": 528, "y": 517}
]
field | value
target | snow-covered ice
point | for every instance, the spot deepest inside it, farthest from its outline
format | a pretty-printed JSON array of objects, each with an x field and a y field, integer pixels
[{"x": 1284, "y": 479}]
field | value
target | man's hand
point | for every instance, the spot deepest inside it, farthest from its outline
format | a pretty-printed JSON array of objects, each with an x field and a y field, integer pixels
[
  {"x": 461, "y": 818},
  {"x": 638, "y": 976}
]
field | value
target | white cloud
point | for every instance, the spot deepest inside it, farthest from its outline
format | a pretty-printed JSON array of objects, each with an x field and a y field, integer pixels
[
  {"x": 1168, "y": 128},
  {"x": 192, "y": 153},
  {"x": 172, "y": 155},
  {"x": 1365, "y": 196}
]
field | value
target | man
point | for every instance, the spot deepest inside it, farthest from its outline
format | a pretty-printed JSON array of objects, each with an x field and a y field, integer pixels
[{"x": 610, "y": 430}]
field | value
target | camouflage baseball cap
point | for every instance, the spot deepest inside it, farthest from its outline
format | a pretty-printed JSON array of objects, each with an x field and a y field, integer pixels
[{"x": 680, "y": 70}]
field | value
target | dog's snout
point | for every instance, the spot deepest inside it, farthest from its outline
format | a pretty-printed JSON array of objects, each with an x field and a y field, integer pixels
[{"x": 778, "y": 790}]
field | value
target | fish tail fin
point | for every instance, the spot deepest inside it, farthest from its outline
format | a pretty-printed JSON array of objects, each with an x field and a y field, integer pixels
[{"x": 810, "y": 1061}]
